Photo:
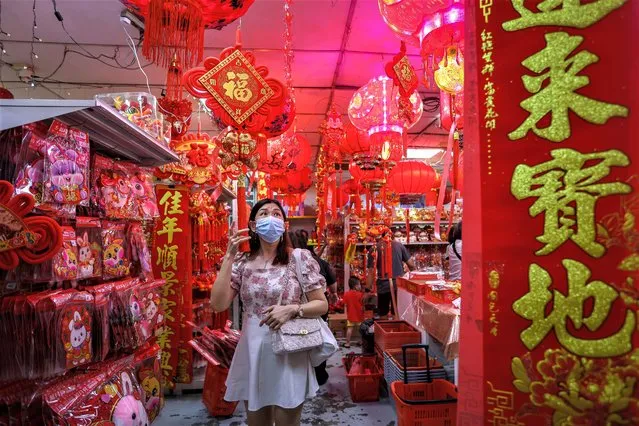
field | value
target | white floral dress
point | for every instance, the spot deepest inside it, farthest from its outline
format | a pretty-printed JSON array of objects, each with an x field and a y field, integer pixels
[{"x": 257, "y": 375}]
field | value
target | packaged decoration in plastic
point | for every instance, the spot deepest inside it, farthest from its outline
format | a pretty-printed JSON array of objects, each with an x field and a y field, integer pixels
[
  {"x": 111, "y": 192},
  {"x": 140, "y": 254},
  {"x": 151, "y": 316},
  {"x": 149, "y": 375},
  {"x": 143, "y": 193},
  {"x": 101, "y": 326},
  {"x": 66, "y": 165},
  {"x": 89, "y": 232},
  {"x": 125, "y": 315},
  {"x": 30, "y": 168},
  {"x": 65, "y": 263},
  {"x": 115, "y": 253}
]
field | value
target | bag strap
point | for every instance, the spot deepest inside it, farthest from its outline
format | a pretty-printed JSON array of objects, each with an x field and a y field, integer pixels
[
  {"x": 298, "y": 273},
  {"x": 455, "y": 250}
]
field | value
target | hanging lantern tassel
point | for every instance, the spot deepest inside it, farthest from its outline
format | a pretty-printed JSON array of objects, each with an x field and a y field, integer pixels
[
  {"x": 174, "y": 28},
  {"x": 174, "y": 80}
]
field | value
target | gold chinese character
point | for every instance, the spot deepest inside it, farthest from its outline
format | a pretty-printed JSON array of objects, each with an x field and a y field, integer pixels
[
  {"x": 490, "y": 124},
  {"x": 165, "y": 358},
  {"x": 167, "y": 257},
  {"x": 494, "y": 331},
  {"x": 488, "y": 68},
  {"x": 561, "y": 13},
  {"x": 486, "y": 5},
  {"x": 236, "y": 86},
  {"x": 173, "y": 207},
  {"x": 169, "y": 227},
  {"x": 532, "y": 306},
  {"x": 490, "y": 101},
  {"x": 487, "y": 57},
  {"x": 170, "y": 280},
  {"x": 559, "y": 95},
  {"x": 490, "y": 113},
  {"x": 164, "y": 337},
  {"x": 567, "y": 191},
  {"x": 489, "y": 88}
]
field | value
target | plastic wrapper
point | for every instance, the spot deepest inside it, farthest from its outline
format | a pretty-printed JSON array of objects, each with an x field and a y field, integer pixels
[
  {"x": 441, "y": 321},
  {"x": 140, "y": 254},
  {"x": 140, "y": 109},
  {"x": 149, "y": 375},
  {"x": 217, "y": 346},
  {"x": 111, "y": 191},
  {"x": 151, "y": 315},
  {"x": 143, "y": 194},
  {"x": 89, "y": 238},
  {"x": 65, "y": 263},
  {"x": 101, "y": 325},
  {"x": 66, "y": 165},
  {"x": 115, "y": 251}
]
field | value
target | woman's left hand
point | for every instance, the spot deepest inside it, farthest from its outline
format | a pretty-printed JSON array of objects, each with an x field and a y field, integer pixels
[{"x": 278, "y": 315}]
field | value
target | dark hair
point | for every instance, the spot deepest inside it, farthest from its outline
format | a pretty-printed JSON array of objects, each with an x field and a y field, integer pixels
[
  {"x": 281, "y": 255},
  {"x": 455, "y": 233},
  {"x": 301, "y": 236},
  {"x": 353, "y": 282}
]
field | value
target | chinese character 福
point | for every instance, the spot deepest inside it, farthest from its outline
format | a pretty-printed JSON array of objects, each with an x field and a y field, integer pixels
[
  {"x": 567, "y": 192},
  {"x": 560, "y": 96},
  {"x": 236, "y": 86},
  {"x": 571, "y": 306},
  {"x": 562, "y": 13}
]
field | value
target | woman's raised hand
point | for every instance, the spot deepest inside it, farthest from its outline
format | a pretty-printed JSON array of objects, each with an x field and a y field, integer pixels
[{"x": 235, "y": 239}]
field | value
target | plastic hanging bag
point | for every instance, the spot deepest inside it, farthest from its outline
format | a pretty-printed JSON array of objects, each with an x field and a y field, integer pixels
[
  {"x": 115, "y": 251},
  {"x": 143, "y": 194},
  {"x": 89, "y": 238},
  {"x": 111, "y": 194},
  {"x": 65, "y": 263},
  {"x": 140, "y": 254}
]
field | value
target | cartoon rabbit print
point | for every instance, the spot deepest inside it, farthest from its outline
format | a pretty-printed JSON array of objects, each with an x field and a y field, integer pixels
[
  {"x": 79, "y": 335},
  {"x": 129, "y": 411},
  {"x": 86, "y": 257}
]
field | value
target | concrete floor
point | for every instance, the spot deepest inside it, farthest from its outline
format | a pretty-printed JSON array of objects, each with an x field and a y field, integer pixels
[{"x": 332, "y": 407}]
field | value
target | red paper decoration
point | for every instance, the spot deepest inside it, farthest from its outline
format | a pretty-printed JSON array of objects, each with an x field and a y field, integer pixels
[
  {"x": 299, "y": 181},
  {"x": 411, "y": 177},
  {"x": 372, "y": 178},
  {"x": 402, "y": 73}
]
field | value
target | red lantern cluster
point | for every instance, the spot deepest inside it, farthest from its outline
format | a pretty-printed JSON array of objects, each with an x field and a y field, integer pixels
[
  {"x": 411, "y": 177},
  {"x": 286, "y": 153}
]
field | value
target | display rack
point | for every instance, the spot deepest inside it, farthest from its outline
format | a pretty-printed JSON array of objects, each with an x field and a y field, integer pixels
[{"x": 108, "y": 131}]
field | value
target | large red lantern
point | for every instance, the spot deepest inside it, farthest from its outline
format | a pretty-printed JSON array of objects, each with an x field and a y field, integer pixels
[
  {"x": 176, "y": 27},
  {"x": 285, "y": 153},
  {"x": 278, "y": 183},
  {"x": 357, "y": 144},
  {"x": 299, "y": 181},
  {"x": 368, "y": 178},
  {"x": 411, "y": 177}
]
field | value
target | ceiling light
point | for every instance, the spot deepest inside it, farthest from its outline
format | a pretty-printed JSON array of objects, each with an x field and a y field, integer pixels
[{"x": 422, "y": 153}]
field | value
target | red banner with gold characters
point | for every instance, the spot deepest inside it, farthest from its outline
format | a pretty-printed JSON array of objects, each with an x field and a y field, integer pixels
[
  {"x": 172, "y": 262},
  {"x": 558, "y": 160}
]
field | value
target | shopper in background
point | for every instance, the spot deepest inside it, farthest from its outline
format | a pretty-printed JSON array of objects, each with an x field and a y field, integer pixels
[
  {"x": 354, "y": 302},
  {"x": 301, "y": 236},
  {"x": 454, "y": 252},
  {"x": 401, "y": 256},
  {"x": 273, "y": 387}
]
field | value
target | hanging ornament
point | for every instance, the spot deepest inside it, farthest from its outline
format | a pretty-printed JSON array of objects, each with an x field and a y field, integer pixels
[
  {"x": 332, "y": 128},
  {"x": 285, "y": 153},
  {"x": 198, "y": 163},
  {"x": 5, "y": 93},
  {"x": 411, "y": 177},
  {"x": 450, "y": 74},
  {"x": 238, "y": 94},
  {"x": 175, "y": 109},
  {"x": 376, "y": 108},
  {"x": 402, "y": 73},
  {"x": 239, "y": 150},
  {"x": 451, "y": 108},
  {"x": 298, "y": 181},
  {"x": 177, "y": 26}
]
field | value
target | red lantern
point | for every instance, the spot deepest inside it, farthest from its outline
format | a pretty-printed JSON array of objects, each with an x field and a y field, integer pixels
[
  {"x": 299, "y": 181},
  {"x": 372, "y": 178},
  {"x": 278, "y": 183},
  {"x": 446, "y": 114},
  {"x": 411, "y": 177},
  {"x": 177, "y": 26},
  {"x": 285, "y": 153}
]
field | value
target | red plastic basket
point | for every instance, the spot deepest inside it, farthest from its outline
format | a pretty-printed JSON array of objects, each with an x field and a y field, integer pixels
[
  {"x": 395, "y": 334},
  {"x": 433, "y": 403},
  {"x": 364, "y": 387},
  {"x": 214, "y": 390}
]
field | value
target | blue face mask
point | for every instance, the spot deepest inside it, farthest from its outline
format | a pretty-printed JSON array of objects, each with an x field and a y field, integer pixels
[{"x": 270, "y": 228}]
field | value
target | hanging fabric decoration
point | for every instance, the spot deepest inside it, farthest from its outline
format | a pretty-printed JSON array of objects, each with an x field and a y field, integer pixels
[
  {"x": 198, "y": 163},
  {"x": 177, "y": 26}
]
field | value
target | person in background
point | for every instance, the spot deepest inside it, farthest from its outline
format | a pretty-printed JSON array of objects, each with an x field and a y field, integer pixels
[
  {"x": 353, "y": 300},
  {"x": 301, "y": 238},
  {"x": 273, "y": 387},
  {"x": 454, "y": 251},
  {"x": 401, "y": 256}
]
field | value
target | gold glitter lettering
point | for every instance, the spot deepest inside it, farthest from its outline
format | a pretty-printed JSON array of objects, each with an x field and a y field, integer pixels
[
  {"x": 567, "y": 191},
  {"x": 562, "y": 13},
  {"x": 532, "y": 306},
  {"x": 559, "y": 95},
  {"x": 171, "y": 203}
]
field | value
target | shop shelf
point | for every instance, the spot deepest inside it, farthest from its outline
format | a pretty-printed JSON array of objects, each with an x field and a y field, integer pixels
[{"x": 108, "y": 131}]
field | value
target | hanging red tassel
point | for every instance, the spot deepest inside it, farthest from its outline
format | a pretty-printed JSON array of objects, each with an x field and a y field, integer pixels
[{"x": 174, "y": 28}]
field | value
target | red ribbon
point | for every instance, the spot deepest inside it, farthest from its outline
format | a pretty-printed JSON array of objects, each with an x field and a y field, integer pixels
[{"x": 442, "y": 186}]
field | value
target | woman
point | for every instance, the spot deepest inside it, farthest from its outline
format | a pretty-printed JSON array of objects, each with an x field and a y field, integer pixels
[
  {"x": 273, "y": 387},
  {"x": 454, "y": 252}
]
